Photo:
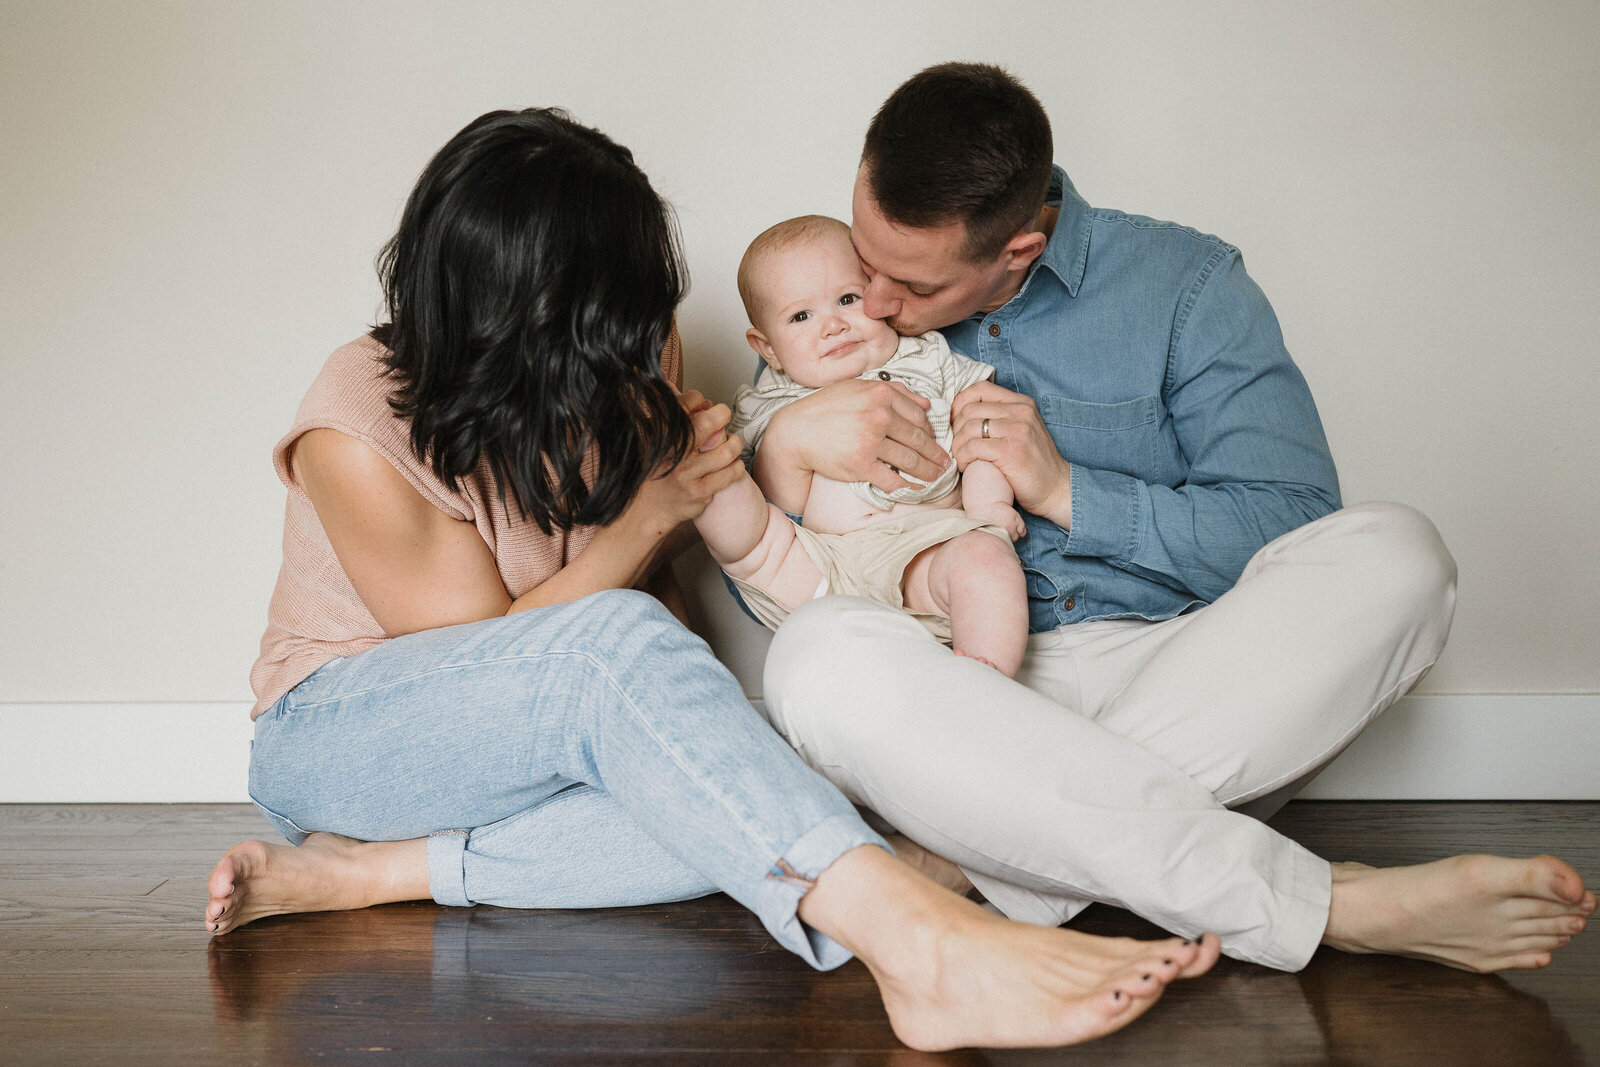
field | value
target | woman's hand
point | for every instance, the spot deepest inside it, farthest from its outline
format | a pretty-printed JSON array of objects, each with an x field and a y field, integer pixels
[{"x": 678, "y": 494}]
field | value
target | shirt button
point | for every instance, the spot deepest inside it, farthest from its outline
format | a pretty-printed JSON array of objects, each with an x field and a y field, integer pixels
[
  {"x": 994, "y": 329},
  {"x": 1071, "y": 603},
  {"x": 883, "y": 375}
]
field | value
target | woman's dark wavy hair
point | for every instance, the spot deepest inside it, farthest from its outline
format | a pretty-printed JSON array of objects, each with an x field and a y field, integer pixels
[{"x": 530, "y": 289}]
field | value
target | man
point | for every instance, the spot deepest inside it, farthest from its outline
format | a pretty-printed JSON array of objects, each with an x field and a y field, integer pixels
[{"x": 1209, "y": 628}]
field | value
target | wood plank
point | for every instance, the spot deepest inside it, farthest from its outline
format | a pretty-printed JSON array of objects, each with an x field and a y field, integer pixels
[{"x": 92, "y": 970}]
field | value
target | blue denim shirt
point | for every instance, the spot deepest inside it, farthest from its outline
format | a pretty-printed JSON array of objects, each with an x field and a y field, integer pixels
[{"x": 1159, "y": 369}]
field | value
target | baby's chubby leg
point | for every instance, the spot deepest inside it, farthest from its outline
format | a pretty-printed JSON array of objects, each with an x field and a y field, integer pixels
[
  {"x": 986, "y": 495},
  {"x": 754, "y": 541},
  {"x": 976, "y": 580}
]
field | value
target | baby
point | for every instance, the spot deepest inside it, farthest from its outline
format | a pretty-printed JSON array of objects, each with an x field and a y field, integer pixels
[{"x": 915, "y": 548}]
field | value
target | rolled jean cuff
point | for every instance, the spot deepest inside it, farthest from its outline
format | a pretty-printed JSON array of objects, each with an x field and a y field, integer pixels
[
  {"x": 447, "y": 877},
  {"x": 792, "y": 876}
]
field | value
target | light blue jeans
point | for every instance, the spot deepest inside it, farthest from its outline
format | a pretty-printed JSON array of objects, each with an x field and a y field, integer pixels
[{"x": 586, "y": 755}]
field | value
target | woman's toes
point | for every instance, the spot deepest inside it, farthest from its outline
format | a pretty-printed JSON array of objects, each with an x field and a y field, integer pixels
[
  {"x": 1145, "y": 977},
  {"x": 1114, "y": 1002},
  {"x": 1206, "y": 951}
]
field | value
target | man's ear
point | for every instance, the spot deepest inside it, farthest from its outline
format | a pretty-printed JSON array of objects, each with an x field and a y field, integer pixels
[
  {"x": 1024, "y": 248},
  {"x": 758, "y": 342}
]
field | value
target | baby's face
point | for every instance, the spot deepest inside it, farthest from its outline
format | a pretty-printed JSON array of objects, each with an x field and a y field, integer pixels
[{"x": 813, "y": 324}]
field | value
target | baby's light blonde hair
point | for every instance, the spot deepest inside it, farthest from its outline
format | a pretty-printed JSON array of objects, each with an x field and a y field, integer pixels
[{"x": 786, "y": 234}]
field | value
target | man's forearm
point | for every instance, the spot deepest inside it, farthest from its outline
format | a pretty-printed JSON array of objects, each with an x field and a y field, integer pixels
[{"x": 1197, "y": 537}]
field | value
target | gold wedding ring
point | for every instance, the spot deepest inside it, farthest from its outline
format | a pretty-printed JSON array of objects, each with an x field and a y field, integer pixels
[{"x": 985, "y": 429}]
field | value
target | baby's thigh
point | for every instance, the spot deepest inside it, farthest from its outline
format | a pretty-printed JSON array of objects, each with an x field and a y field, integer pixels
[{"x": 937, "y": 574}]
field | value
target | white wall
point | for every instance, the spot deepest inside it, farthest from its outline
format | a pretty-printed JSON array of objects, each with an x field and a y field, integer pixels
[{"x": 191, "y": 196}]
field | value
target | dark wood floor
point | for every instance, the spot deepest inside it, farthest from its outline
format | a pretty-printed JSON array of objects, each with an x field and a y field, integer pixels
[{"x": 103, "y": 960}]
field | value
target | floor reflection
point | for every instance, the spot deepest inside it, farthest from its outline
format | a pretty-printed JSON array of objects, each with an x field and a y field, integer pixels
[
  {"x": 704, "y": 980},
  {"x": 422, "y": 977},
  {"x": 1375, "y": 1010}
]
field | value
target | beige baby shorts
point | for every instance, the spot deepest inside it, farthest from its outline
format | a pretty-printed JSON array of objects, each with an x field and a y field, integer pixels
[{"x": 872, "y": 562}]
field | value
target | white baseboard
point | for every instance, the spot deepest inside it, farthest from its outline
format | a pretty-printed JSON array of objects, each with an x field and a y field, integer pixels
[{"x": 1425, "y": 748}]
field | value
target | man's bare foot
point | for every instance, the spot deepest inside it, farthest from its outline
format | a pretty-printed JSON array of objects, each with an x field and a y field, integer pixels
[
  {"x": 1476, "y": 913},
  {"x": 931, "y": 864},
  {"x": 326, "y": 873},
  {"x": 952, "y": 975}
]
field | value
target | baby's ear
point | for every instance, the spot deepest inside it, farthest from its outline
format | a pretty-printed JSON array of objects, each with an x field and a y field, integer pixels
[{"x": 758, "y": 342}]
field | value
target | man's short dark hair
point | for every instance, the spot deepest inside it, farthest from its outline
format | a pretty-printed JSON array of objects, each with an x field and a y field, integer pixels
[{"x": 961, "y": 142}]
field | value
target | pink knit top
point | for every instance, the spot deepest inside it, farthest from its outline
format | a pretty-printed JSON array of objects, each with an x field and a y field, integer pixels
[{"x": 315, "y": 615}]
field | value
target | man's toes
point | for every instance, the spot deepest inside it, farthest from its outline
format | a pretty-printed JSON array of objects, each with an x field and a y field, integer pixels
[
  {"x": 1527, "y": 943},
  {"x": 1560, "y": 879}
]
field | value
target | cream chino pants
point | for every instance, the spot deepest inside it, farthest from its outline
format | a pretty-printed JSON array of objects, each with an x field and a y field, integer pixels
[{"x": 1121, "y": 764}]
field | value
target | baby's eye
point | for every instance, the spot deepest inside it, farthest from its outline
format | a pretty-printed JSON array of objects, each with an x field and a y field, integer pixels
[
  {"x": 849, "y": 298},
  {"x": 800, "y": 316}
]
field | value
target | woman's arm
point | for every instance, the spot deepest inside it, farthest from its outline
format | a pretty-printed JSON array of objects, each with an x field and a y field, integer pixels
[{"x": 416, "y": 568}]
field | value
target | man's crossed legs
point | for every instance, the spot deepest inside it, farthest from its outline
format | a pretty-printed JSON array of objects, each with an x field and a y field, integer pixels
[{"x": 1110, "y": 771}]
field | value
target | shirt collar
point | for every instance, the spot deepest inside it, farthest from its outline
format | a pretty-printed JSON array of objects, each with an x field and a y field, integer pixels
[{"x": 1066, "y": 255}]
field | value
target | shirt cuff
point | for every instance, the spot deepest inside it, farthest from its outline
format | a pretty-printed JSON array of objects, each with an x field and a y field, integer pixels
[{"x": 1105, "y": 514}]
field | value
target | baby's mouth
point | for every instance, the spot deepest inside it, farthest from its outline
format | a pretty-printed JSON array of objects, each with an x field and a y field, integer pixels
[{"x": 840, "y": 350}]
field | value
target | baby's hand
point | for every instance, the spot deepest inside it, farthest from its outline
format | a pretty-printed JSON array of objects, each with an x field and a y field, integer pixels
[{"x": 1002, "y": 515}]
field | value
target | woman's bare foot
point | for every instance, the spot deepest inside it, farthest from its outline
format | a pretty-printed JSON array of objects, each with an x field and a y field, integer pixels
[
  {"x": 930, "y": 864},
  {"x": 1476, "y": 913},
  {"x": 952, "y": 975},
  {"x": 326, "y": 873}
]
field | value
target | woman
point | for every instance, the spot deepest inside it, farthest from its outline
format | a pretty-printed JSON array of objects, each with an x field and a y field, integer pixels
[{"x": 462, "y": 695}]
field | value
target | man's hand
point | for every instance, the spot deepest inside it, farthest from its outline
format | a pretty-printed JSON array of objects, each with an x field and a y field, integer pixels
[
  {"x": 1018, "y": 444},
  {"x": 853, "y": 431}
]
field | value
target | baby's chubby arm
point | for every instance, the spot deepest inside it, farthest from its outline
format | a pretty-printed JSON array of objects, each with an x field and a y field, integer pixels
[
  {"x": 786, "y": 484},
  {"x": 986, "y": 495},
  {"x": 754, "y": 541}
]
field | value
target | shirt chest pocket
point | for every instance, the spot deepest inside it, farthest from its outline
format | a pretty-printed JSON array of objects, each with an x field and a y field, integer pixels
[{"x": 1115, "y": 437}]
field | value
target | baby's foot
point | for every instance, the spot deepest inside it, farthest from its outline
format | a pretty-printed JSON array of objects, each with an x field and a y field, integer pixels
[
  {"x": 980, "y": 659},
  {"x": 1002, "y": 515}
]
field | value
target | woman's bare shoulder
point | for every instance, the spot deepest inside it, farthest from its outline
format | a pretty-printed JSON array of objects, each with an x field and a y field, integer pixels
[{"x": 343, "y": 474}]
